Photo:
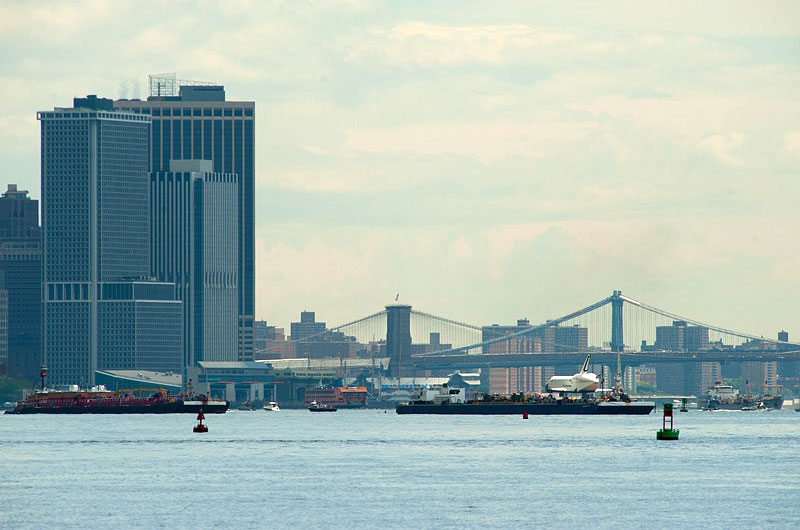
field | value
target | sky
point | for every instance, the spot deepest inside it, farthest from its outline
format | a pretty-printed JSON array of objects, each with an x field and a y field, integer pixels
[{"x": 485, "y": 160}]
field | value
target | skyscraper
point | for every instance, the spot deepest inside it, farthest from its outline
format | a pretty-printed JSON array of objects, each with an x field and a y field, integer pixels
[
  {"x": 100, "y": 308},
  {"x": 192, "y": 120},
  {"x": 21, "y": 262},
  {"x": 194, "y": 224}
]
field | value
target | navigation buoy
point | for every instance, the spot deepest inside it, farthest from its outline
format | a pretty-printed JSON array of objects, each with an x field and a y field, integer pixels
[
  {"x": 525, "y": 415},
  {"x": 200, "y": 427},
  {"x": 664, "y": 433},
  {"x": 684, "y": 403}
]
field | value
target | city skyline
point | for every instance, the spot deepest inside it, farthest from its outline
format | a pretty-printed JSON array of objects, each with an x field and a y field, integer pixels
[{"x": 486, "y": 163}]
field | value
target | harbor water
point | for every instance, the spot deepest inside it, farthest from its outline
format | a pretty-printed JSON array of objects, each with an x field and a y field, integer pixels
[{"x": 375, "y": 469}]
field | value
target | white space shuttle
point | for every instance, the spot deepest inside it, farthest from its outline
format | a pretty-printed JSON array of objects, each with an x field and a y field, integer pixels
[{"x": 583, "y": 381}]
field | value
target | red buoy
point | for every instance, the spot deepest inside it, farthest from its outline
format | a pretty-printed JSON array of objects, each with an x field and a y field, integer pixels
[
  {"x": 525, "y": 415},
  {"x": 200, "y": 427}
]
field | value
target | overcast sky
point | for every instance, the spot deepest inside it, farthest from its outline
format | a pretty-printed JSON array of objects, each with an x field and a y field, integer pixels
[{"x": 486, "y": 160}]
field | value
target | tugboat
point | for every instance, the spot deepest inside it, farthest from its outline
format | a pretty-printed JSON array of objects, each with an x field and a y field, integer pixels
[
  {"x": 725, "y": 397},
  {"x": 320, "y": 407}
]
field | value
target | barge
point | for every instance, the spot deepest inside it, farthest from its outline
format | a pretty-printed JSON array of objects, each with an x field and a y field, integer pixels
[
  {"x": 99, "y": 400},
  {"x": 452, "y": 401}
]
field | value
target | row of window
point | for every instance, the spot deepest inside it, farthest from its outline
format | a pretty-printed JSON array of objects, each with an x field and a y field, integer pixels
[
  {"x": 217, "y": 111},
  {"x": 124, "y": 116}
]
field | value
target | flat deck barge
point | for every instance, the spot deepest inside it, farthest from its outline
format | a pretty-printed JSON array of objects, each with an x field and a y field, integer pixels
[
  {"x": 634, "y": 407},
  {"x": 453, "y": 401}
]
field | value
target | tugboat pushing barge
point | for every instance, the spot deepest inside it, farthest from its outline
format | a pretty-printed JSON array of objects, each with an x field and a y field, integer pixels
[{"x": 99, "y": 400}]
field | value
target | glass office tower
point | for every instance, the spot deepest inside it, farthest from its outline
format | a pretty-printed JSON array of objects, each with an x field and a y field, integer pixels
[
  {"x": 194, "y": 121},
  {"x": 194, "y": 245},
  {"x": 95, "y": 231}
]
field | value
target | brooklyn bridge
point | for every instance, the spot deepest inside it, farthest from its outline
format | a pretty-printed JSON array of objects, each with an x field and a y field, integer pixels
[{"x": 625, "y": 337}]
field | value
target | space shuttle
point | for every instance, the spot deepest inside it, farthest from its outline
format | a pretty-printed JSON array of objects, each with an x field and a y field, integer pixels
[{"x": 583, "y": 381}]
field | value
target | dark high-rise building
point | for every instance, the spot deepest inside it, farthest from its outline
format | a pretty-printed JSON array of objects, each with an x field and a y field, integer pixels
[
  {"x": 21, "y": 263},
  {"x": 194, "y": 245},
  {"x": 100, "y": 309},
  {"x": 194, "y": 121}
]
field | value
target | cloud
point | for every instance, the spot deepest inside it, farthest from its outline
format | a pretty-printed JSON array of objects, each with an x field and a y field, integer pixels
[
  {"x": 485, "y": 142},
  {"x": 487, "y": 160},
  {"x": 429, "y": 45},
  {"x": 791, "y": 141},
  {"x": 724, "y": 147}
]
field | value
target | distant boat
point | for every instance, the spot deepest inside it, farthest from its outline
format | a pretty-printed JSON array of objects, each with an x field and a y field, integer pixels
[
  {"x": 725, "y": 397},
  {"x": 272, "y": 406},
  {"x": 320, "y": 407}
]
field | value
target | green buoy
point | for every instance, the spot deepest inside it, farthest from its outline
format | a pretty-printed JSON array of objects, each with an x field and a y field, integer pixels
[
  {"x": 684, "y": 403},
  {"x": 667, "y": 434}
]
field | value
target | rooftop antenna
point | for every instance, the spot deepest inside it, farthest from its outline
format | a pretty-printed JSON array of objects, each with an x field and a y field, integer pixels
[{"x": 168, "y": 84}]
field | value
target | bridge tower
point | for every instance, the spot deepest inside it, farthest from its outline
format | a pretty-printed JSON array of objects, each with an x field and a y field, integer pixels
[
  {"x": 398, "y": 338},
  {"x": 617, "y": 337}
]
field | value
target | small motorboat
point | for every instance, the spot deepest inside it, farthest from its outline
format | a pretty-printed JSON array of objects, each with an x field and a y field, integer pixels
[
  {"x": 273, "y": 406},
  {"x": 320, "y": 407}
]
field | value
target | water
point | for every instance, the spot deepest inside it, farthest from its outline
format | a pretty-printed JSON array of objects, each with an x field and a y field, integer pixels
[{"x": 370, "y": 469}]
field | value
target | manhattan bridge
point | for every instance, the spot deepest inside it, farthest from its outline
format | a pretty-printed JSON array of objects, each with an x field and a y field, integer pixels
[{"x": 618, "y": 331}]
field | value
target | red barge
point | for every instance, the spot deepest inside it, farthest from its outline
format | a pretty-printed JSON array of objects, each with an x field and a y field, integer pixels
[{"x": 99, "y": 400}]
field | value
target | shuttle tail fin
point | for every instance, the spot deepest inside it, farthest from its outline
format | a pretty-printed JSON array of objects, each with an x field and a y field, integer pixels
[{"x": 586, "y": 364}]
